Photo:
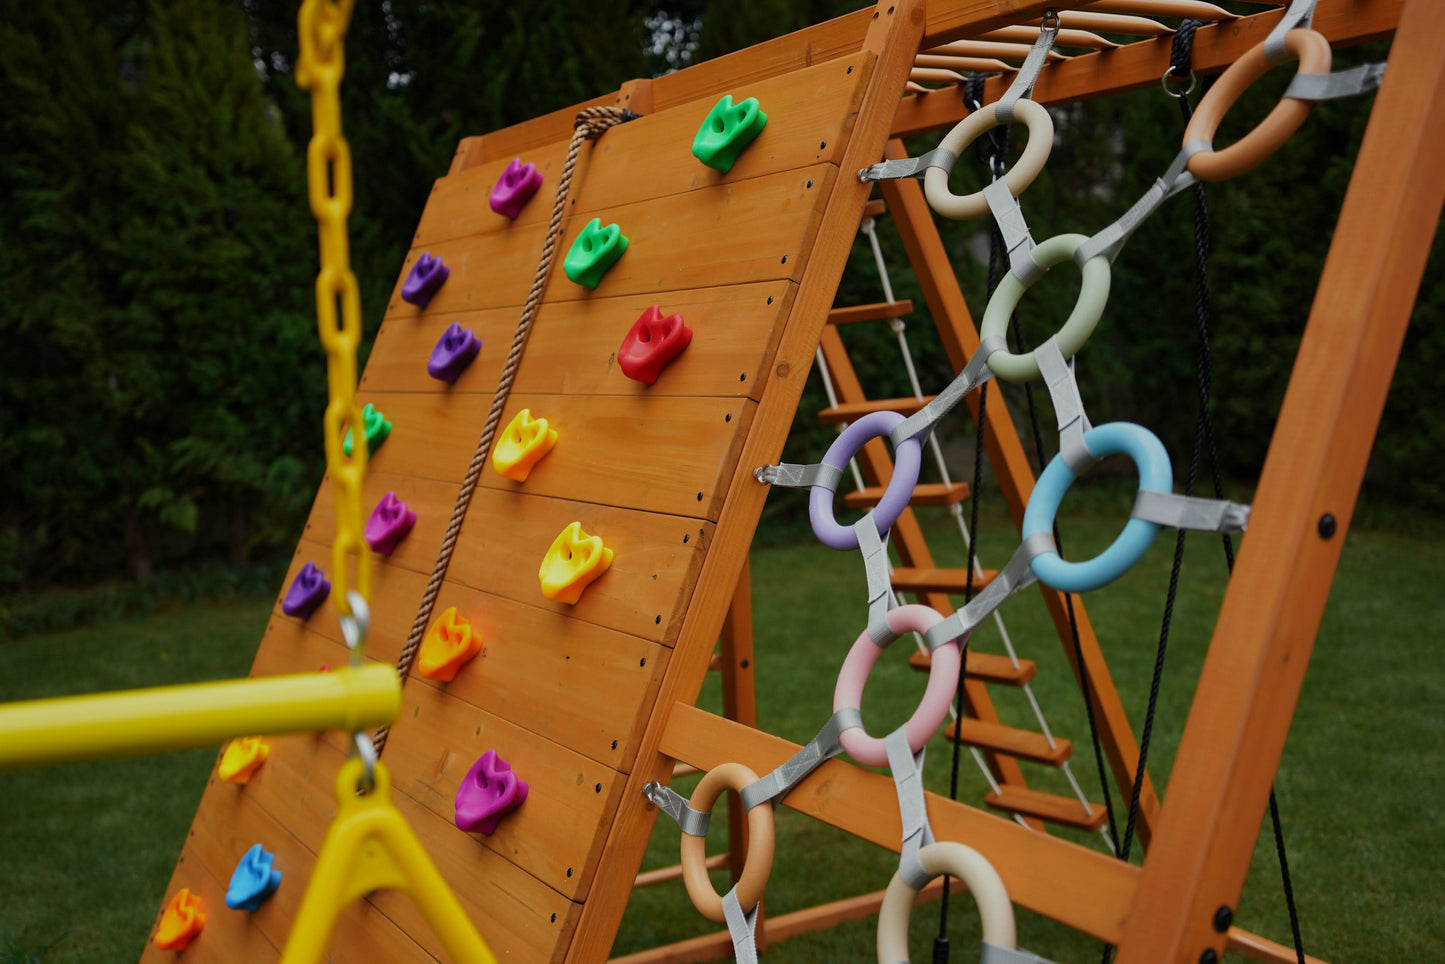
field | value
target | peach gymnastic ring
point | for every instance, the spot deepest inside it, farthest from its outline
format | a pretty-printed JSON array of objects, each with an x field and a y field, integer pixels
[{"x": 759, "y": 862}]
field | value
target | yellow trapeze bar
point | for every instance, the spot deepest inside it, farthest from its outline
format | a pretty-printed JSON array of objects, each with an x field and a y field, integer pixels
[{"x": 137, "y": 722}]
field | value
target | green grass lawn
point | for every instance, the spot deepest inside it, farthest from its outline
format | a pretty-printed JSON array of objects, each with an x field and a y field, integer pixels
[{"x": 88, "y": 849}]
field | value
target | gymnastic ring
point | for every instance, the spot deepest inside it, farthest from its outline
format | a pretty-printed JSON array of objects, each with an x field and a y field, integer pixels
[
  {"x": 995, "y": 910},
  {"x": 1018, "y": 178},
  {"x": 759, "y": 861},
  {"x": 1155, "y": 475},
  {"x": 942, "y": 681},
  {"x": 908, "y": 459},
  {"x": 1093, "y": 294},
  {"x": 1312, "y": 51}
]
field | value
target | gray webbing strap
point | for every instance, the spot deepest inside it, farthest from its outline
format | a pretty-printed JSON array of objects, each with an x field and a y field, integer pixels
[
  {"x": 1028, "y": 75},
  {"x": 1190, "y": 512},
  {"x": 1300, "y": 14},
  {"x": 1016, "y": 576},
  {"x": 875, "y": 564},
  {"x": 1014, "y": 230},
  {"x": 693, "y": 822},
  {"x": 994, "y": 954},
  {"x": 1068, "y": 407},
  {"x": 974, "y": 374},
  {"x": 791, "y": 475},
  {"x": 741, "y": 928},
  {"x": 1342, "y": 83},
  {"x": 1110, "y": 241},
  {"x": 909, "y": 166},
  {"x": 907, "y": 769},
  {"x": 821, "y": 748}
]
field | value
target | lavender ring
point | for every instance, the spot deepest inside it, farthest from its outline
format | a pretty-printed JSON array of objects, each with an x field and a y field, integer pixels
[{"x": 908, "y": 458}]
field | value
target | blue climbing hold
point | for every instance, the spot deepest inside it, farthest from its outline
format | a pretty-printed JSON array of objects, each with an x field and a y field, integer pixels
[{"x": 253, "y": 881}]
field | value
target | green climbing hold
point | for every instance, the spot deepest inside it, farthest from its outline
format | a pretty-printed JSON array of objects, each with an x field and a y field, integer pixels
[
  {"x": 595, "y": 250},
  {"x": 727, "y": 130},
  {"x": 377, "y": 429}
]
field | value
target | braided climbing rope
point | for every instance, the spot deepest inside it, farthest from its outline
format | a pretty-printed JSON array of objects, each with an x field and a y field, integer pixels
[{"x": 591, "y": 122}]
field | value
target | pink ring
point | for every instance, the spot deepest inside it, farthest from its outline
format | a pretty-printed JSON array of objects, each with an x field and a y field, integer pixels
[{"x": 942, "y": 681}]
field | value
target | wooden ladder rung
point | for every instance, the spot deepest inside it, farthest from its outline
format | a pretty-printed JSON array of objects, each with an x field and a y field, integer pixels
[
  {"x": 931, "y": 493},
  {"x": 1025, "y": 744},
  {"x": 987, "y": 667},
  {"x": 852, "y": 411},
  {"x": 875, "y": 208},
  {"x": 675, "y": 871},
  {"x": 681, "y": 769},
  {"x": 879, "y": 311},
  {"x": 908, "y": 579},
  {"x": 1047, "y": 806}
]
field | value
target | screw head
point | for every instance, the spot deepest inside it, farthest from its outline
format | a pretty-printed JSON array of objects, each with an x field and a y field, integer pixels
[
  {"x": 1327, "y": 526},
  {"x": 1223, "y": 917},
  {"x": 1209, "y": 956}
]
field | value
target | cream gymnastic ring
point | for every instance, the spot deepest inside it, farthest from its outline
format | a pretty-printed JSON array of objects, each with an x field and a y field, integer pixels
[
  {"x": 759, "y": 862},
  {"x": 977, "y": 874},
  {"x": 1312, "y": 51},
  {"x": 1019, "y": 177}
]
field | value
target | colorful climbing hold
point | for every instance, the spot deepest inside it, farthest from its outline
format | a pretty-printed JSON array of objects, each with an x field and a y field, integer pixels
[
  {"x": 449, "y": 643},
  {"x": 308, "y": 590},
  {"x": 427, "y": 276},
  {"x": 243, "y": 756},
  {"x": 390, "y": 521},
  {"x": 454, "y": 351},
  {"x": 651, "y": 343},
  {"x": 595, "y": 250},
  {"x": 253, "y": 880},
  {"x": 523, "y": 443},
  {"x": 574, "y": 562},
  {"x": 181, "y": 921},
  {"x": 377, "y": 429},
  {"x": 515, "y": 188},
  {"x": 489, "y": 791},
  {"x": 726, "y": 131}
]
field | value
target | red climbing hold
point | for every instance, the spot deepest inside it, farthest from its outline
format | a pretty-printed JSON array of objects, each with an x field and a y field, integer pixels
[{"x": 651, "y": 344}]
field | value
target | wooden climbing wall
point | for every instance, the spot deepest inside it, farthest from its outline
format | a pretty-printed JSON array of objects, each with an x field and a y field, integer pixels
[{"x": 662, "y": 474}]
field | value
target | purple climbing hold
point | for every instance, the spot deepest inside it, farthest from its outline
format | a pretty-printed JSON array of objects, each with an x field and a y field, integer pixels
[
  {"x": 489, "y": 791},
  {"x": 515, "y": 188},
  {"x": 390, "y": 521},
  {"x": 308, "y": 590},
  {"x": 454, "y": 351},
  {"x": 425, "y": 280}
]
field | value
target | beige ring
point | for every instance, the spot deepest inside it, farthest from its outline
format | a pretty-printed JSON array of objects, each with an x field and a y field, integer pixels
[
  {"x": 1312, "y": 51},
  {"x": 1018, "y": 178},
  {"x": 968, "y": 865},
  {"x": 759, "y": 862}
]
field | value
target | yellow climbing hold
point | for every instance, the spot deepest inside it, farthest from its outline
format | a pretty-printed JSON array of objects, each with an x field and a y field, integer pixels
[
  {"x": 241, "y": 759},
  {"x": 524, "y": 442},
  {"x": 572, "y": 564}
]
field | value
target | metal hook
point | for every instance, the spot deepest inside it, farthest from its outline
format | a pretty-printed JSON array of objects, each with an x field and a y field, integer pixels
[
  {"x": 1181, "y": 94},
  {"x": 367, "y": 751},
  {"x": 354, "y": 626}
]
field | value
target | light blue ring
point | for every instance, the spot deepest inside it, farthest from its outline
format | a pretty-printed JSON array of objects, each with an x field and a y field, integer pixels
[{"x": 1155, "y": 475}]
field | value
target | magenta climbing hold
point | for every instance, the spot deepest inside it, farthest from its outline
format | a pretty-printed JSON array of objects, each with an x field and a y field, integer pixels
[
  {"x": 390, "y": 521},
  {"x": 425, "y": 280},
  {"x": 454, "y": 351},
  {"x": 651, "y": 343},
  {"x": 515, "y": 188},
  {"x": 308, "y": 590},
  {"x": 489, "y": 792}
]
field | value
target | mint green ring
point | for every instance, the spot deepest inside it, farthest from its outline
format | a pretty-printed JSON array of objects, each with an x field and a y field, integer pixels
[{"x": 1077, "y": 329}]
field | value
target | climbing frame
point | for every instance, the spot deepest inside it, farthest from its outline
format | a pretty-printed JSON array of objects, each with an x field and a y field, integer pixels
[{"x": 589, "y": 702}]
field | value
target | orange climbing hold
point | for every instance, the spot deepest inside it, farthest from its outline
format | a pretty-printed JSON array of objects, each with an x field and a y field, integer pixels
[
  {"x": 241, "y": 759},
  {"x": 181, "y": 921},
  {"x": 572, "y": 564},
  {"x": 449, "y": 643},
  {"x": 523, "y": 443}
]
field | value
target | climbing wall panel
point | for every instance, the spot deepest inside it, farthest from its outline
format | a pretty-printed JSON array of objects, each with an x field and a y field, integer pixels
[{"x": 565, "y": 693}]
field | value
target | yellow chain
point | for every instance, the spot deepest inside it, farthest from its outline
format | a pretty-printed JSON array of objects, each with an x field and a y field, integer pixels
[{"x": 322, "y": 63}]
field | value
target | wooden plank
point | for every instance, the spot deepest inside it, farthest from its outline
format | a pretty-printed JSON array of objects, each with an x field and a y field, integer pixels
[
  {"x": 1084, "y": 889},
  {"x": 1025, "y": 744},
  {"x": 644, "y": 592},
  {"x": 526, "y": 136},
  {"x": 930, "y": 580},
  {"x": 1048, "y": 806},
  {"x": 845, "y": 412},
  {"x": 432, "y": 435},
  {"x": 460, "y": 203},
  {"x": 876, "y": 312},
  {"x": 755, "y": 230},
  {"x": 1262, "y": 641},
  {"x": 556, "y": 835},
  {"x": 988, "y": 667},
  {"x": 431, "y": 500},
  {"x": 227, "y": 936},
  {"x": 929, "y": 493},
  {"x": 633, "y": 451},
  {"x": 573, "y": 346}
]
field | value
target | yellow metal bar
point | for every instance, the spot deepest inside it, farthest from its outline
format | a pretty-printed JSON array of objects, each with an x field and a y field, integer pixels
[{"x": 137, "y": 722}]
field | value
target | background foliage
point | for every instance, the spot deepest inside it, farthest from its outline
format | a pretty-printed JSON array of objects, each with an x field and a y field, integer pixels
[{"x": 161, "y": 389}]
